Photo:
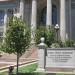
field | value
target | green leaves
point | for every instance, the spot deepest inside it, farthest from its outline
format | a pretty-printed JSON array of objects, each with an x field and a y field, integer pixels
[
  {"x": 18, "y": 36},
  {"x": 48, "y": 34}
]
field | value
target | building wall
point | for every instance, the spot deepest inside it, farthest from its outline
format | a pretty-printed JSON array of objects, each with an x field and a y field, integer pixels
[
  {"x": 70, "y": 15},
  {"x": 8, "y": 4},
  {"x": 41, "y": 4}
]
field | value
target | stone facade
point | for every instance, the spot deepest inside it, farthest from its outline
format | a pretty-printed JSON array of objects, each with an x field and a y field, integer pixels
[{"x": 43, "y": 12}]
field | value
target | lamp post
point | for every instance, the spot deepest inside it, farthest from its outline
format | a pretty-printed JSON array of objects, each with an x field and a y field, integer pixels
[{"x": 57, "y": 28}]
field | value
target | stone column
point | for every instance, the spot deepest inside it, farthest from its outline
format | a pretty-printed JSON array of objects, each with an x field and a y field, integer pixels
[
  {"x": 22, "y": 9},
  {"x": 33, "y": 19},
  {"x": 63, "y": 20},
  {"x": 41, "y": 55},
  {"x": 70, "y": 8},
  {"x": 49, "y": 13},
  {"x": 5, "y": 21}
]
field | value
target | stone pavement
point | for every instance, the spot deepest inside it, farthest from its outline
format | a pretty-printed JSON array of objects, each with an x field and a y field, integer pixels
[{"x": 10, "y": 59}]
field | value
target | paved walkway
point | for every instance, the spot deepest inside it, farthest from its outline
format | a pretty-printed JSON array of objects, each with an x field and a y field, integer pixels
[
  {"x": 10, "y": 59},
  {"x": 6, "y": 69}
]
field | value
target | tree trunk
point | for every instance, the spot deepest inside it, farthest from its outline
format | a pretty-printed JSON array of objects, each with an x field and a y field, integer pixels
[{"x": 17, "y": 63}]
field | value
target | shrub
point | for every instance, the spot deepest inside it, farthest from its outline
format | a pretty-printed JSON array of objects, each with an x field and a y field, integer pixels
[
  {"x": 55, "y": 45},
  {"x": 48, "y": 34},
  {"x": 60, "y": 43},
  {"x": 69, "y": 43}
]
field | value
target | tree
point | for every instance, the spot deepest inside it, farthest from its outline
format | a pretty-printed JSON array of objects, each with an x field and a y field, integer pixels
[{"x": 17, "y": 38}]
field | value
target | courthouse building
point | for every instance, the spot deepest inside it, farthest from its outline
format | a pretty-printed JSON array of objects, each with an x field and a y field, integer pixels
[{"x": 41, "y": 12}]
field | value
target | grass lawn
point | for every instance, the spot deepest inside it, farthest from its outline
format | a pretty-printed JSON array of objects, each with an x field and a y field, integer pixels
[
  {"x": 3, "y": 73},
  {"x": 28, "y": 70},
  {"x": 24, "y": 69}
]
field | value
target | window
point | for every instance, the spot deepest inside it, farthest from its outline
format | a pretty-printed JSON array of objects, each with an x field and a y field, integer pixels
[
  {"x": 1, "y": 17},
  {"x": 54, "y": 14}
]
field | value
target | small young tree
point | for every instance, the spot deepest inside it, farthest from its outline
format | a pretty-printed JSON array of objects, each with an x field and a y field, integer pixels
[{"x": 17, "y": 38}]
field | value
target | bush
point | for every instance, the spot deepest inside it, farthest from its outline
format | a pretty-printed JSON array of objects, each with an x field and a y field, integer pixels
[
  {"x": 55, "y": 45},
  {"x": 69, "y": 43},
  {"x": 48, "y": 34}
]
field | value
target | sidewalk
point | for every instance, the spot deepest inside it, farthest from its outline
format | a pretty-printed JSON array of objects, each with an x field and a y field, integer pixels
[{"x": 10, "y": 59}]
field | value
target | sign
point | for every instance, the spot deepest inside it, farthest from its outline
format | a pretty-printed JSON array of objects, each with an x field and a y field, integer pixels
[{"x": 60, "y": 58}]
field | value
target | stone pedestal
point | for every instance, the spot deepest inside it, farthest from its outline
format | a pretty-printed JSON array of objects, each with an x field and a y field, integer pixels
[{"x": 41, "y": 56}]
